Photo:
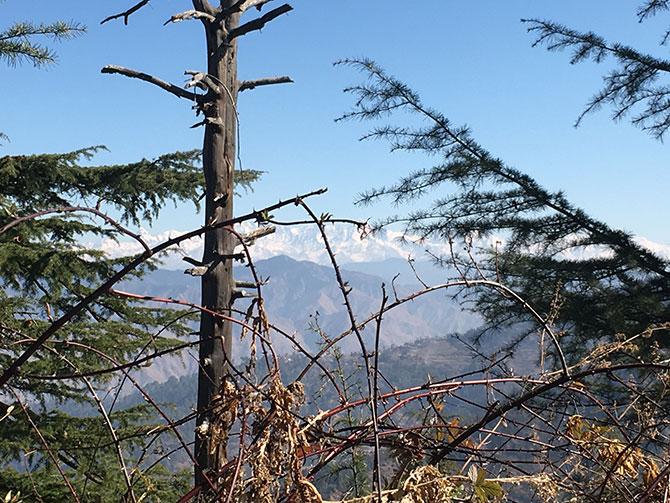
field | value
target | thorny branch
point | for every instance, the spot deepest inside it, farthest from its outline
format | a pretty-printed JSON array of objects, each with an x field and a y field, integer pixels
[{"x": 58, "y": 324}]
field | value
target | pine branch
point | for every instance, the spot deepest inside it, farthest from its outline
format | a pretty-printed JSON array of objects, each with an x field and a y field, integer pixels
[
  {"x": 17, "y": 44},
  {"x": 632, "y": 88},
  {"x": 490, "y": 198},
  {"x": 650, "y": 8}
]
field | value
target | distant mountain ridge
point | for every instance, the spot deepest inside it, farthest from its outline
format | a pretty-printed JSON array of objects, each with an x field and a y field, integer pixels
[
  {"x": 305, "y": 243},
  {"x": 300, "y": 242},
  {"x": 302, "y": 293},
  {"x": 302, "y": 284}
]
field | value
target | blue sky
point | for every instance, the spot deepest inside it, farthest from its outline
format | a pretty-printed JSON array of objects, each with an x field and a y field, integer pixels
[{"x": 471, "y": 60}]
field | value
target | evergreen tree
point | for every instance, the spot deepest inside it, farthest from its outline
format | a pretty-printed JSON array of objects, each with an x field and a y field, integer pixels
[
  {"x": 622, "y": 288},
  {"x": 595, "y": 284},
  {"x": 51, "y": 205},
  {"x": 45, "y": 269}
]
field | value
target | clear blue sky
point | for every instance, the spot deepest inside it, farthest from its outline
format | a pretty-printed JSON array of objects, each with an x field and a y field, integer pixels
[{"x": 472, "y": 60}]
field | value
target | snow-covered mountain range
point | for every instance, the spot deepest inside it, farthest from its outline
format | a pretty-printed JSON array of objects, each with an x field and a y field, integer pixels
[
  {"x": 305, "y": 243},
  {"x": 300, "y": 286},
  {"x": 299, "y": 242}
]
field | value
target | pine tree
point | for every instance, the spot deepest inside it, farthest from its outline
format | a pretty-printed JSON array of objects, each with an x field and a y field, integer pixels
[
  {"x": 45, "y": 268},
  {"x": 619, "y": 292},
  {"x": 51, "y": 206},
  {"x": 623, "y": 288}
]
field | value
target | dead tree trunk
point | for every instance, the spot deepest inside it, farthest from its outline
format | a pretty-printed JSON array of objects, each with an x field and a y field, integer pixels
[
  {"x": 219, "y": 153},
  {"x": 218, "y": 105},
  {"x": 217, "y": 283}
]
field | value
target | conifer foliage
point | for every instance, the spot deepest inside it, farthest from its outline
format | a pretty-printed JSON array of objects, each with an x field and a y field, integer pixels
[
  {"x": 589, "y": 427},
  {"x": 638, "y": 85},
  {"x": 60, "y": 436},
  {"x": 592, "y": 280},
  {"x": 20, "y": 42},
  {"x": 45, "y": 269}
]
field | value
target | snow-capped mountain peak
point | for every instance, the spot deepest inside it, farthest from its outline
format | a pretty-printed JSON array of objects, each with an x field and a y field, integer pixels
[{"x": 305, "y": 243}]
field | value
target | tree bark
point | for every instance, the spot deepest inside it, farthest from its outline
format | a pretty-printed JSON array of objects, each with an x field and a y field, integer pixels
[{"x": 219, "y": 150}]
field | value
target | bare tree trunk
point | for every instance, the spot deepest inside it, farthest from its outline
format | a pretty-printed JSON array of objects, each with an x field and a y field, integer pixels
[
  {"x": 219, "y": 106},
  {"x": 217, "y": 284}
]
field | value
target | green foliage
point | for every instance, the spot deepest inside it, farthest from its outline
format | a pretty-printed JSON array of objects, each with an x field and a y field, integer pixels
[
  {"x": 138, "y": 190},
  {"x": 484, "y": 490},
  {"x": 637, "y": 87},
  {"x": 44, "y": 485},
  {"x": 45, "y": 268},
  {"x": 622, "y": 287},
  {"x": 51, "y": 205},
  {"x": 351, "y": 469},
  {"x": 17, "y": 43}
]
